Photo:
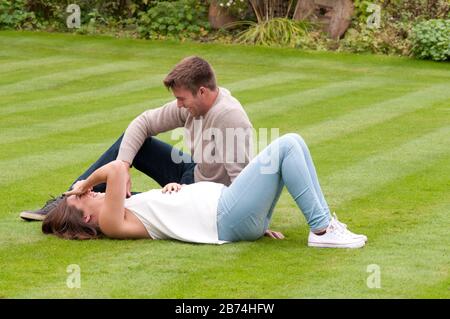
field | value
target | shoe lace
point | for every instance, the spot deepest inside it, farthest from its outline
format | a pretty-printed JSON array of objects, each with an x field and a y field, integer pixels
[
  {"x": 342, "y": 226},
  {"x": 336, "y": 228}
]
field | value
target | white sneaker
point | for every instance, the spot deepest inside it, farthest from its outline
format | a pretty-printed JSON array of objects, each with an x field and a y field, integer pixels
[
  {"x": 344, "y": 227},
  {"x": 335, "y": 237}
]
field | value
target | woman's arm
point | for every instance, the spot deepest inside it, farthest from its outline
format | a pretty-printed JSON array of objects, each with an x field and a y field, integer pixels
[
  {"x": 112, "y": 216},
  {"x": 99, "y": 176},
  {"x": 111, "y": 219}
]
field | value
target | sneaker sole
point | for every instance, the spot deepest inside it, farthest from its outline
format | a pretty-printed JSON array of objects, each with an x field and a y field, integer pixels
[
  {"x": 361, "y": 238},
  {"x": 328, "y": 245},
  {"x": 31, "y": 217}
]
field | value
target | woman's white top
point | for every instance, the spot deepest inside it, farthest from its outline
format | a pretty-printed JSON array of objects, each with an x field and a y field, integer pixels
[{"x": 188, "y": 215}]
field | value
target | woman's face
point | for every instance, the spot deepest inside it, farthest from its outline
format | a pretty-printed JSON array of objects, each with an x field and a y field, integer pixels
[{"x": 90, "y": 203}]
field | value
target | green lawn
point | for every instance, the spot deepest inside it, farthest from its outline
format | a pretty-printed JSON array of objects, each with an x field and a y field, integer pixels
[{"x": 378, "y": 128}]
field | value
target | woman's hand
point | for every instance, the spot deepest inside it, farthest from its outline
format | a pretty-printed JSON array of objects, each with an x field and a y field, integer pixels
[
  {"x": 79, "y": 188},
  {"x": 273, "y": 234},
  {"x": 171, "y": 187}
]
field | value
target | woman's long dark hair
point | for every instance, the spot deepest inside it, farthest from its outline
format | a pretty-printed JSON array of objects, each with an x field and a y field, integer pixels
[{"x": 67, "y": 222}]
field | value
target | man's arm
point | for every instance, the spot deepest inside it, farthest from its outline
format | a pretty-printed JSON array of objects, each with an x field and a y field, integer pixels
[
  {"x": 238, "y": 154},
  {"x": 150, "y": 123}
]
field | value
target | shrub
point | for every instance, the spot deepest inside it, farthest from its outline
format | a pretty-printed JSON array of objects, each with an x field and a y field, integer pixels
[
  {"x": 52, "y": 13},
  {"x": 274, "y": 32},
  {"x": 14, "y": 15},
  {"x": 415, "y": 10},
  {"x": 178, "y": 19},
  {"x": 391, "y": 39},
  {"x": 360, "y": 13},
  {"x": 48, "y": 13},
  {"x": 398, "y": 18},
  {"x": 316, "y": 40},
  {"x": 431, "y": 40}
]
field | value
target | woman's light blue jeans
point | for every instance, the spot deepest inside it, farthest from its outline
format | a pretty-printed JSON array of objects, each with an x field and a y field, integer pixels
[{"x": 245, "y": 207}]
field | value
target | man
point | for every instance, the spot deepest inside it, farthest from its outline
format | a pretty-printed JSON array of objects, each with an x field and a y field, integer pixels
[{"x": 212, "y": 119}]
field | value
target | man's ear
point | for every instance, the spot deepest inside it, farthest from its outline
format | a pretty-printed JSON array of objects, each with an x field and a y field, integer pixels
[{"x": 87, "y": 218}]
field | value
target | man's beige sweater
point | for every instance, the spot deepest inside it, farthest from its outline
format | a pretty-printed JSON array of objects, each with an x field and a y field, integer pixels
[{"x": 220, "y": 142}]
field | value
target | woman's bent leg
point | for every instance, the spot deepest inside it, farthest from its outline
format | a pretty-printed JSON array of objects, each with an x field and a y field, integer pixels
[
  {"x": 300, "y": 177},
  {"x": 247, "y": 205},
  {"x": 311, "y": 169}
]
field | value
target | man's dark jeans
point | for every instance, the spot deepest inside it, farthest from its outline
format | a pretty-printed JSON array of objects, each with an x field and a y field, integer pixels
[{"x": 153, "y": 159}]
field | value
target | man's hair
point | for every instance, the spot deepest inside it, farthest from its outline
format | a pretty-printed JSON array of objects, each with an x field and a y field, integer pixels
[
  {"x": 191, "y": 73},
  {"x": 66, "y": 221}
]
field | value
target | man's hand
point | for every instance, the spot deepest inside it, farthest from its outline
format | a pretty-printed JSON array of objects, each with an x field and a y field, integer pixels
[
  {"x": 171, "y": 187},
  {"x": 273, "y": 234},
  {"x": 78, "y": 189}
]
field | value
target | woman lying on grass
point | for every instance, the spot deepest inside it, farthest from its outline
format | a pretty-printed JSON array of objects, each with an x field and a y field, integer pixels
[{"x": 203, "y": 212}]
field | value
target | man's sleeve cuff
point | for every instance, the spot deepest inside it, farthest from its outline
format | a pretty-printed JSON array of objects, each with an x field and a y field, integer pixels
[{"x": 126, "y": 155}]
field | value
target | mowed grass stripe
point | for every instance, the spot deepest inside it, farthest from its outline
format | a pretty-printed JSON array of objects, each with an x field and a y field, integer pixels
[
  {"x": 12, "y": 169},
  {"x": 82, "y": 121},
  {"x": 267, "y": 108},
  {"x": 23, "y": 283},
  {"x": 343, "y": 151},
  {"x": 75, "y": 109},
  {"x": 25, "y": 76},
  {"x": 278, "y": 58},
  {"x": 134, "y": 85},
  {"x": 302, "y": 62},
  {"x": 75, "y": 123},
  {"x": 262, "y": 81},
  {"x": 145, "y": 82},
  {"x": 387, "y": 210},
  {"x": 334, "y": 107},
  {"x": 32, "y": 64},
  {"x": 372, "y": 173},
  {"x": 14, "y": 79},
  {"x": 150, "y": 81},
  {"x": 265, "y": 80},
  {"x": 148, "y": 267},
  {"x": 370, "y": 115},
  {"x": 67, "y": 76},
  {"x": 27, "y": 44},
  {"x": 369, "y": 65},
  {"x": 82, "y": 46}
]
